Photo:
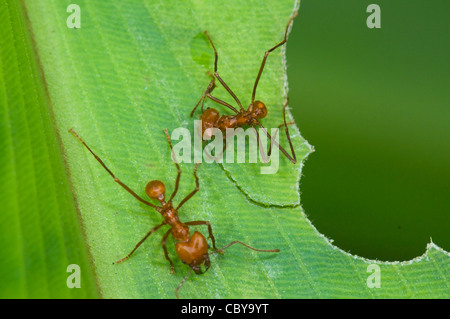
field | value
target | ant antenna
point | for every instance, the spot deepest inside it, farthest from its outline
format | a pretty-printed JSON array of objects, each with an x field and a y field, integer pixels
[
  {"x": 118, "y": 181},
  {"x": 221, "y": 251},
  {"x": 182, "y": 282}
]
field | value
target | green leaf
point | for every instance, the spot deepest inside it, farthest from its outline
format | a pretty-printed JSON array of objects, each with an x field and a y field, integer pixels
[
  {"x": 40, "y": 234},
  {"x": 136, "y": 68}
]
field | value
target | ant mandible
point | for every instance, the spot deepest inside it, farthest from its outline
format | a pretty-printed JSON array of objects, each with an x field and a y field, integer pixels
[
  {"x": 256, "y": 110},
  {"x": 191, "y": 249}
]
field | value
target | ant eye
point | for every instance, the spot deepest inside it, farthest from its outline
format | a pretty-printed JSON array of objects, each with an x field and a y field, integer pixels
[{"x": 183, "y": 262}]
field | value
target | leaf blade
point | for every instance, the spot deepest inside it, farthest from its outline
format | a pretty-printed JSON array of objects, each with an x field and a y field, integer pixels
[
  {"x": 129, "y": 73},
  {"x": 39, "y": 224}
]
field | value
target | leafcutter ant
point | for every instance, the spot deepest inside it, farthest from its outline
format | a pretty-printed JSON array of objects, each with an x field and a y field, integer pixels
[
  {"x": 255, "y": 112},
  {"x": 192, "y": 249}
]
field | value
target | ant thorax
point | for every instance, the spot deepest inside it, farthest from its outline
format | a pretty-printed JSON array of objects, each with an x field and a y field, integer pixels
[{"x": 234, "y": 121}]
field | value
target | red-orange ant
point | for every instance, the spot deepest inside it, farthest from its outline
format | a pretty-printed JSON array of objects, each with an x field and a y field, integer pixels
[
  {"x": 256, "y": 110},
  {"x": 191, "y": 249}
]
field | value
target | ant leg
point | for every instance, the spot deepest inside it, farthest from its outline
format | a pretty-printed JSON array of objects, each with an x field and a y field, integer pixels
[
  {"x": 281, "y": 125},
  {"x": 177, "y": 181},
  {"x": 141, "y": 241},
  {"x": 110, "y": 173},
  {"x": 287, "y": 130},
  {"x": 223, "y": 149},
  {"x": 209, "y": 89},
  {"x": 222, "y": 102},
  {"x": 166, "y": 253},
  {"x": 229, "y": 90},
  {"x": 207, "y": 223},
  {"x": 267, "y": 54},
  {"x": 219, "y": 156},
  {"x": 261, "y": 151},
  {"x": 216, "y": 57},
  {"x": 293, "y": 160},
  {"x": 188, "y": 197}
]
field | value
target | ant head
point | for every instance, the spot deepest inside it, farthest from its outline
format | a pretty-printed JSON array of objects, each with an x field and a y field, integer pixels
[
  {"x": 259, "y": 109},
  {"x": 155, "y": 190},
  {"x": 194, "y": 253}
]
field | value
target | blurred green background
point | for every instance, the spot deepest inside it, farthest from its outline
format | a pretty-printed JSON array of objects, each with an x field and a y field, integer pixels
[{"x": 375, "y": 103}]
